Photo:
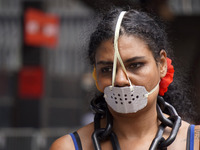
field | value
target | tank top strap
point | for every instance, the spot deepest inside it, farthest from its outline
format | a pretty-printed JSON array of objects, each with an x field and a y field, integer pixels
[{"x": 77, "y": 141}]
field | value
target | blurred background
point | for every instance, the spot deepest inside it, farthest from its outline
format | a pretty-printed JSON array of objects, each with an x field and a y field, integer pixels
[{"x": 45, "y": 80}]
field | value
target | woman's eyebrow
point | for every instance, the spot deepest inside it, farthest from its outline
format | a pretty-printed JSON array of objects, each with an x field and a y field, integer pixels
[
  {"x": 104, "y": 63},
  {"x": 134, "y": 59},
  {"x": 127, "y": 61}
]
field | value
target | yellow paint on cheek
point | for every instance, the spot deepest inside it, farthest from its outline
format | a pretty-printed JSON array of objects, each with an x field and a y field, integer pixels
[{"x": 94, "y": 75}]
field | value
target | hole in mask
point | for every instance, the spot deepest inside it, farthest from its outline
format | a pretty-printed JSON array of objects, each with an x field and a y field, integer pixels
[
  {"x": 121, "y": 103},
  {"x": 131, "y": 95},
  {"x": 115, "y": 97},
  {"x": 116, "y": 102},
  {"x": 137, "y": 96},
  {"x": 125, "y": 98},
  {"x": 118, "y": 94},
  {"x": 133, "y": 99},
  {"x": 120, "y": 99},
  {"x": 111, "y": 97},
  {"x": 125, "y": 95},
  {"x": 129, "y": 102}
]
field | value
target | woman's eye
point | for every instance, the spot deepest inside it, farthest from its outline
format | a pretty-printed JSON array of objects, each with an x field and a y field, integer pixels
[
  {"x": 106, "y": 69},
  {"x": 134, "y": 66}
]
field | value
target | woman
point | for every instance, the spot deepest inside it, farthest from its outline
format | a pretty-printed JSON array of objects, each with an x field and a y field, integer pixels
[{"x": 129, "y": 52}]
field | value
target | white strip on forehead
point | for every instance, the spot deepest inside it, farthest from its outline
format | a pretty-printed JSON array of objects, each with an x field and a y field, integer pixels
[{"x": 116, "y": 53}]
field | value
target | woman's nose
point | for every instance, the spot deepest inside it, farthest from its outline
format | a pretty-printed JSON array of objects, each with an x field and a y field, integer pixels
[{"x": 121, "y": 78}]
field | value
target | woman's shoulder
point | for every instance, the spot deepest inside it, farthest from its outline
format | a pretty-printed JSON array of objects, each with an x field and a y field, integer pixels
[
  {"x": 66, "y": 142},
  {"x": 188, "y": 136},
  {"x": 63, "y": 143}
]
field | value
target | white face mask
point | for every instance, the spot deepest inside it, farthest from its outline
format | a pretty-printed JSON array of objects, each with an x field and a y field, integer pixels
[{"x": 125, "y": 99}]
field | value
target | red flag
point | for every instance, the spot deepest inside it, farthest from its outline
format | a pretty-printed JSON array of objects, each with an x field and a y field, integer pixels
[{"x": 41, "y": 29}]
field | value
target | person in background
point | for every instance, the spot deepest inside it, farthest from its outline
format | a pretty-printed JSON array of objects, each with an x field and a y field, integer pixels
[{"x": 140, "y": 104}]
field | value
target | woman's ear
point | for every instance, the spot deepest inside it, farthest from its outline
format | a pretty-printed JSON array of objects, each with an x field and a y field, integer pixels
[{"x": 163, "y": 63}]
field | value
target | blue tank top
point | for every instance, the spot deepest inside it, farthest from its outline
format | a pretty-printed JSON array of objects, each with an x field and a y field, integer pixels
[
  {"x": 190, "y": 138},
  {"x": 76, "y": 140},
  {"x": 189, "y": 146}
]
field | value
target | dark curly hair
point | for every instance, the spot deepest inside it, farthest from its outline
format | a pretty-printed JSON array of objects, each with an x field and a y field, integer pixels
[{"x": 152, "y": 31}]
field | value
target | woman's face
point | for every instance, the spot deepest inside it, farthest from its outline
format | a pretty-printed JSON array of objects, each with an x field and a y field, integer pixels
[{"x": 137, "y": 58}]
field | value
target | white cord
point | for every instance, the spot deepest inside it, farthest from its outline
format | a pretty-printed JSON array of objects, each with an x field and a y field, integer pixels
[{"x": 116, "y": 54}]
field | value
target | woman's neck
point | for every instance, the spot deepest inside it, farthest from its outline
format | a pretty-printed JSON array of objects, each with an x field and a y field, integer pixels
[{"x": 138, "y": 125}]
